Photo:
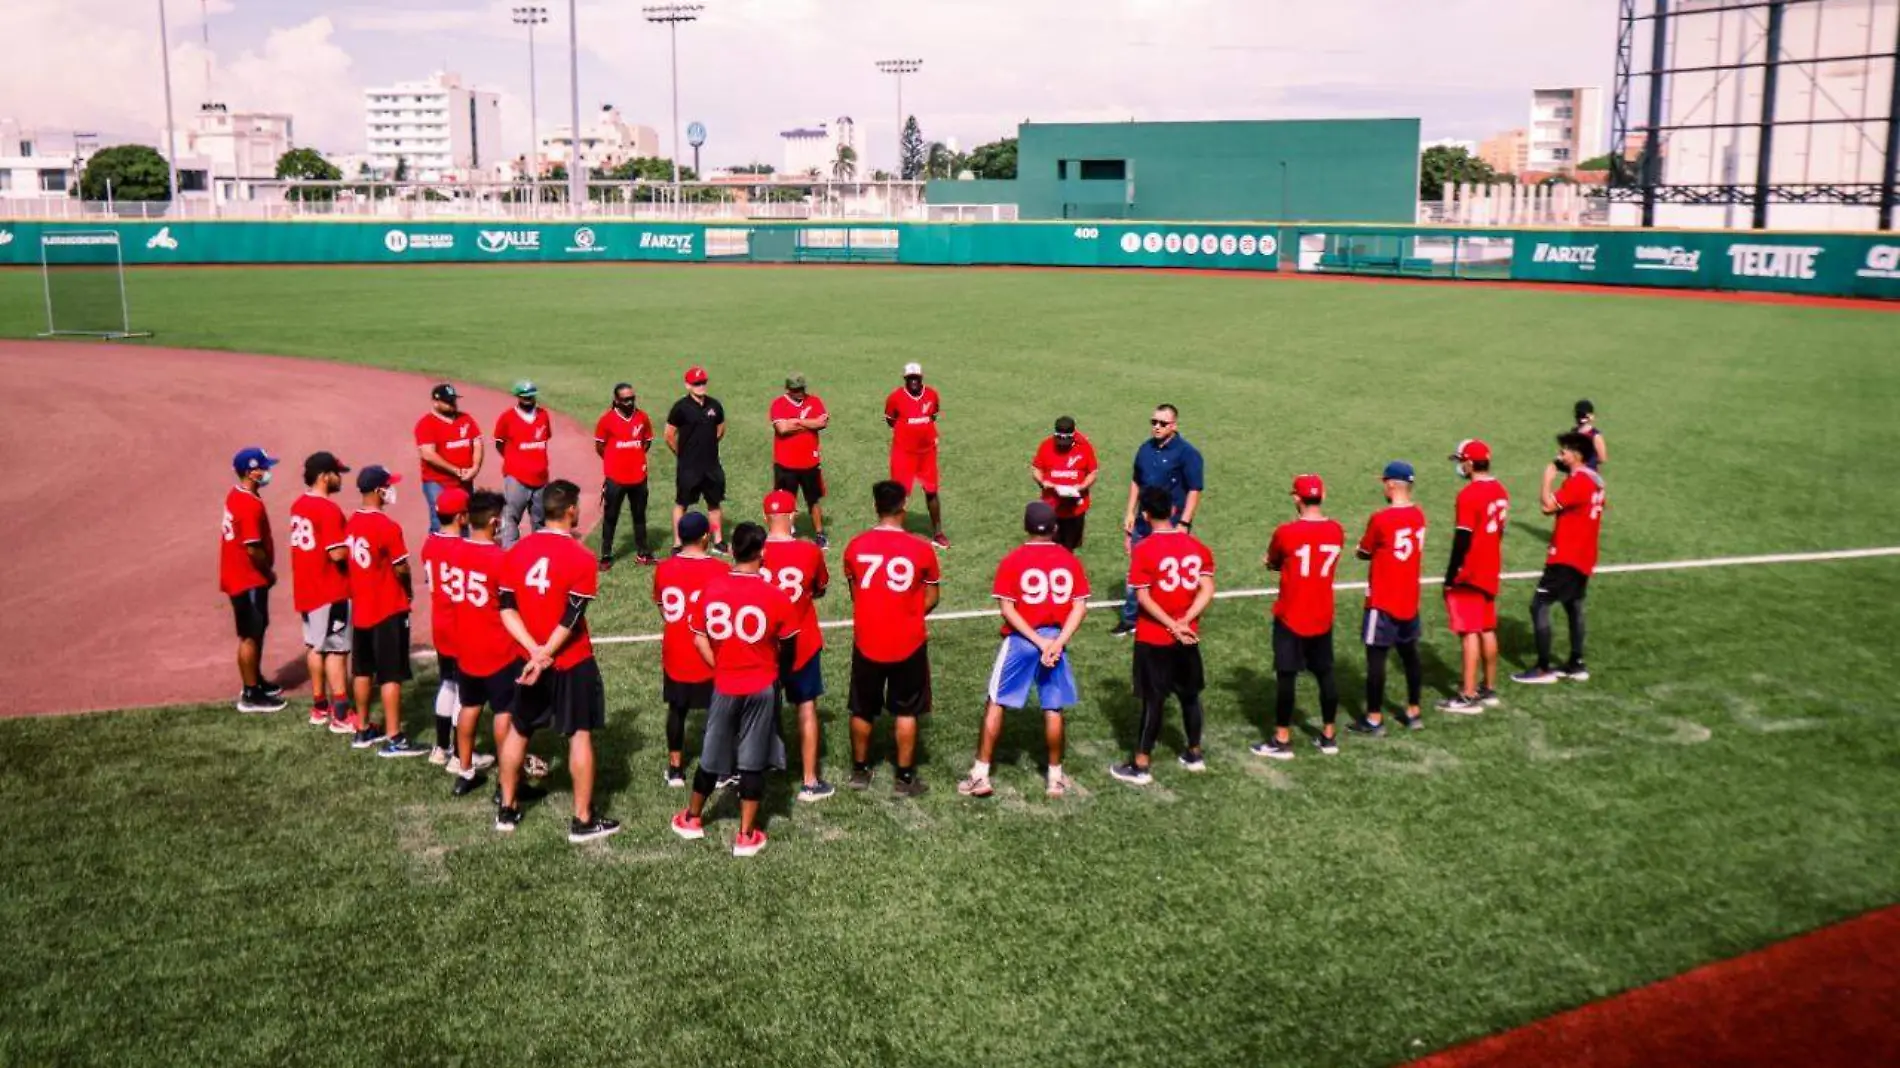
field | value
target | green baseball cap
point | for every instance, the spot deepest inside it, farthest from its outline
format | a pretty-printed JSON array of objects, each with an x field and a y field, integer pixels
[
  {"x": 525, "y": 388},
  {"x": 795, "y": 382}
]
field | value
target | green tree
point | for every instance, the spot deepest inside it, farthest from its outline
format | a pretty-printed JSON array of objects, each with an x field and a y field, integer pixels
[
  {"x": 994, "y": 160},
  {"x": 845, "y": 167},
  {"x": 305, "y": 164},
  {"x": 910, "y": 150},
  {"x": 1443, "y": 165},
  {"x": 752, "y": 168},
  {"x": 941, "y": 161},
  {"x": 136, "y": 172},
  {"x": 882, "y": 175},
  {"x": 1598, "y": 163}
]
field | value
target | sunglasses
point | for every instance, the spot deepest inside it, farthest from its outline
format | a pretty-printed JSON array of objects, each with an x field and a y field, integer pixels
[{"x": 1161, "y": 422}]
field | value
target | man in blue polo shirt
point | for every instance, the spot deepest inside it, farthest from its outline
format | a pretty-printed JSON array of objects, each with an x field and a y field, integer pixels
[{"x": 1167, "y": 461}]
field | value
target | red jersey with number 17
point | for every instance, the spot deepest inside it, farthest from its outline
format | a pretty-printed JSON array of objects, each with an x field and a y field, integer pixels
[
  {"x": 677, "y": 585},
  {"x": 316, "y": 527},
  {"x": 245, "y": 524},
  {"x": 745, "y": 618},
  {"x": 1169, "y": 564},
  {"x": 438, "y": 566},
  {"x": 475, "y": 569},
  {"x": 376, "y": 547},
  {"x": 799, "y": 571},
  {"x": 1484, "y": 508},
  {"x": 1043, "y": 580},
  {"x": 888, "y": 570},
  {"x": 1573, "y": 541},
  {"x": 1306, "y": 552},
  {"x": 542, "y": 571},
  {"x": 1395, "y": 539}
]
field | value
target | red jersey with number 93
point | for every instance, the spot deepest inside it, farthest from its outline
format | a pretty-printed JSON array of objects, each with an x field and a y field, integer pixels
[
  {"x": 472, "y": 577},
  {"x": 1169, "y": 564},
  {"x": 541, "y": 571},
  {"x": 1043, "y": 580},
  {"x": 745, "y": 618},
  {"x": 1307, "y": 552},
  {"x": 798, "y": 569},
  {"x": 678, "y": 584},
  {"x": 888, "y": 570}
]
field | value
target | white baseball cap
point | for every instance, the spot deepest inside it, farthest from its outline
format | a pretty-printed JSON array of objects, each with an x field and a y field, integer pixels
[{"x": 916, "y": 369}]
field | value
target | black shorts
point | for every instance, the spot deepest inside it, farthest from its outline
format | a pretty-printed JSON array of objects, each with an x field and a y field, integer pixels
[
  {"x": 569, "y": 701},
  {"x": 1562, "y": 584},
  {"x": 902, "y": 689},
  {"x": 691, "y": 487},
  {"x": 686, "y": 695},
  {"x": 1069, "y": 531},
  {"x": 1383, "y": 630},
  {"x": 251, "y": 610},
  {"x": 809, "y": 481},
  {"x": 1293, "y": 652},
  {"x": 800, "y": 684},
  {"x": 497, "y": 691},
  {"x": 1168, "y": 670},
  {"x": 381, "y": 652}
]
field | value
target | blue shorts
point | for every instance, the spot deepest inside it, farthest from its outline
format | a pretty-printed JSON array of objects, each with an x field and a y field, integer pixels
[
  {"x": 800, "y": 684},
  {"x": 1381, "y": 631},
  {"x": 1019, "y": 668}
]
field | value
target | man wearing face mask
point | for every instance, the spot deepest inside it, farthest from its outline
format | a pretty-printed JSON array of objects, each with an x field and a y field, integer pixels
[
  {"x": 622, "y": 438},
  {"x": 521, "y": 436},
  {"x": 694, "y": 429},
  {"x": 380, "y": 595},
  {"x": 449, "y": 444},
  {"x": 320, "y": 584},
  {"x": 1065, "y": 470},
  {"x": 247, "y": 569},
  {"x": 1473, "y": 575},
  {"x": 1572, "y": 559},
  {"x": 911, "y": 412},
  {"x": 1165, "y": 461}
]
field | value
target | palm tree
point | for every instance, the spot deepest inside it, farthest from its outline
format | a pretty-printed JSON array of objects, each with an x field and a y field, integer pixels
[{"x": 845, "y": 167}]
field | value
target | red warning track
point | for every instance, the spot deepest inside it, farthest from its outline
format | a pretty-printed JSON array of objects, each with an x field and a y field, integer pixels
[{"x": 116, "y": 464}]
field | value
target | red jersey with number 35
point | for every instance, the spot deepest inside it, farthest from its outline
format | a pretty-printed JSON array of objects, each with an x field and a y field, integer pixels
[
  {"x": 888, "y": 570},
  {"x": 1043, "y": 580},
  {"x": 677, "y": 585},
  {"x": 376, "y": 547},
  {"x": 1306, "y": 552},
  {"x": 245, "y": 524},
  {"x": 316, "y": 527},
  {"x": 914, "y": 419},
  {"x": 745, "y": 618},
  {"x": 799, "y": 570},
  {"x": 1169, "y": 564},
  {"x": 1484, "y": 508},
  {"x": 1395, "y": 538},
  {"x": 438, "y": 568},
  {"x": 1573, "y": 541},
  {"x": 542, "y": 570},
  {"x": 473, "y": 580}
]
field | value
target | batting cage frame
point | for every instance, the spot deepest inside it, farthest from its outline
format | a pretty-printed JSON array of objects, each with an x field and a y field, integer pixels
[{"x": 106, "y": 318}]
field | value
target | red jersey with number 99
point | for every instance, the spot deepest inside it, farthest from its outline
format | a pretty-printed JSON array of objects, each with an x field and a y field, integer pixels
[
  {"x": 438, "y": 568},
  {"x": 376, "y": 547},
  {"x": 677, "y": 585},
  {"x": 745, "y": 618},
  {"x": 1306, "y": 552},
  {"x": 473, "y": 576},
  {"x": 1395, "y": 539},
  {"x": 1169, "y": 564},
  {"x": 542, "y": 570},
  {"x": 1043, "y": 580},
  {"x": 798, "y": 569},
  {"x": 888, "y": 570},
  {"x": 1483, "y": 509},
  {"x": 1573, "y": 541}
]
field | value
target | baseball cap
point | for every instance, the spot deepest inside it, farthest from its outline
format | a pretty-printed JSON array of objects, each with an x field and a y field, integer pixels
[
  {"x": 453, "y": 501},
  {"x": 251, "y": 458},
  {"x": 1472, "y": 449},
  {"x": 1039, "y": 518},
  {"x": 779, "y": 502},
  {"x": 525, "y": 388},
  {"x": 321, "y": 463},
  {"x": 1398, "y": 471},
  {"x": 1309, "y": 488},
  {"x": 913, "y": 370},
  {"x": 795, "y": 382},
  {"x": 694, "y": 526},
  {"x": 446, "y": 392},
  {"x": 1065, "y": 425},
  {"x": 375, "y": 477},
  {"x": 695, "y": 375}
]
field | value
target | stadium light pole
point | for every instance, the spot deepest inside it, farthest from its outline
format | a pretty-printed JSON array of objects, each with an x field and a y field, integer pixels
[
  {"x": 672, "y": 15},
  {"x": 900, "y": 67},
  {"x": 532, "y": 17},
  {"x": 171, "y": 125},
  {"x": 576, "y": 174}
]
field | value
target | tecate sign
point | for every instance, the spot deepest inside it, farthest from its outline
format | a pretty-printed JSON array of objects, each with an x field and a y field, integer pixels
[
  {"x": 1668, "y": 258},
  {"x": 1773, "y": 261},
  {"x": 1883, "y": 261},
  {"x": 401, "y": 241},
  {"x": 680, "y": 243},
  {"x": 1582, "y": 257},
  {"x": 503, "y": 240}
]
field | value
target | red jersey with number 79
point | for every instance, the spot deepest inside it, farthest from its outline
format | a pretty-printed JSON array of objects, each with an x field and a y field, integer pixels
[
  {"x": 1043, "y": 580},
  {"x": 678, "y": 583},
  {"x": 376, "y": 547},
  {"x": 1395, "y": 538},
  {"x": 439, "y": 569},
  {"x": 1169, "y": 564},
  {"x": 1306, "y": 552},
  {"x": 1573, "y": 541},
  {"x": 888, "y": 570},
  {"x": 745, "y": 618},
  {"x": 542, "y": 571},
  {"x": 1484, "y": 508},
  {"x": 799, "y": 570}
]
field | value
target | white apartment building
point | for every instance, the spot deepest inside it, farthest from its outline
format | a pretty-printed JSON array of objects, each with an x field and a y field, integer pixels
[
  {"x": 233, "y": 148},
  {"x": 36, "y": 165},
  {"x": 442, "y": 129},
  {"x": 809, "y": 148},
  {"x": 1566, "y": 128},
  {"x": 608, "y": 141}
]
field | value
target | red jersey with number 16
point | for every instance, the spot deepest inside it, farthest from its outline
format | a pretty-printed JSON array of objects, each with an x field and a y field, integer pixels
[
  {"x": 376, "y": 547},
  {"x": 1484, "y": 508},
  {"x": 1169, "y": 564},
  {"x": 888, "y": 570},
  {"x": 474, "y": 570},
  {"x": 1395, "y": 538},
  {"x": 745, "y": 618},
  {"x": 1306, "y": 552},
  {"x": 1043, "y": 580},
  {"x": 542, "y": 570},
  {"x": 316, "y": 527},
  {"x": 1573, "y": 542},
  {"x": 438, "y": 568},
  {"x": 798, "y": 569},
  {"x": 677, "y": 585}
]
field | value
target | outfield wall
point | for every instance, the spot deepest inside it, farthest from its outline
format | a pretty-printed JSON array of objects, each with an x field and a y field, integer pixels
[{"x": 1861, "y": 265}]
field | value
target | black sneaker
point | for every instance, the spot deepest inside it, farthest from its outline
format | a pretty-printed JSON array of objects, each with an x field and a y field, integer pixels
[
  {"x": 676, "y": 778},
  {"x": 1576, "y": 671},
  {"x": 1488, "y": 697},
  {"x": 1411, "y": 722},
  {"x": 1327, "y": 744},
  {"x": 860, "y": 778},
  {"x": 367, "y": 738},
  {"x": 257, "y": 701},
  {"x": 597, "y": 827},
  {"x": 523, "y": 793},
  {"x": 1272, "y": 749},
  {"x": 466, "y": 786},
  {"x": 720, "y": 548},
  {"x": 1367, "y": 728},
  {"x": 645, "y": 560},
  {"x": 1193, "y": 760},
  {"x": 816, "y": 791},
  {"x": 821, "y": 541},
  {"x": 507, "y": 819},
  {"x": 911, "y": 787},
  {"x": 1121, "y": 630},
  {"x": 1462, "y": 705},
  {"x": 1131, "y": 773},
  {"x": 270, "y": 689},
  {"x": 1537, "y": 676}
]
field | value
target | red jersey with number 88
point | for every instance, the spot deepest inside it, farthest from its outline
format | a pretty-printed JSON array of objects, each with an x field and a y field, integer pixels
[
  {"x": 376, "y": 547},
  {"x": 888, "y": 570},
  {"x": 1484, "y": 508},
  {"x": 1306, "y": 552},
  {"x": 678, "y": 583},
  {"x": 745, "y": 618},
  {"x": 1573, "y": 541},
  {"x": 541, "y": 571},
  {"x": 1043, "y": 580},
  {"x": 1395, "y": 538},
  {"x": 1169, "y": 564},
  {"x": 798, "y": 569}
]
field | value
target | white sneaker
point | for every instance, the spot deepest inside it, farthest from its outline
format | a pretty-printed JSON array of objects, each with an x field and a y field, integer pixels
[
  {"x": 534, "y": 767},
  {"x": 440, "y": 757},
  {"x": 1059, "y": 786}
]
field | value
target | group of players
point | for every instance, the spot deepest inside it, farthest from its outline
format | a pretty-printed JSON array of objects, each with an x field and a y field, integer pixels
[{"x": 741, "y": 634}]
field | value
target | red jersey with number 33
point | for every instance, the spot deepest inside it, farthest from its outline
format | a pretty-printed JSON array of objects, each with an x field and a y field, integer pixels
[
  {"x": 542, "y": 570},
  {"x": 438, "y": 568},
  {"x": 677, "y": 585},
  {"x": 1043, "y": 580},
  {"x": 888, "y": 570},
  {"x": 914, "y": 419},
  {"x": 1395, "y": 538},
  {"x": 316, "y": 527},
  {"x": 799, "y": 570},
  {"x": 245, "y": 524},
  {"x": 1169, "y": 564},
  {"x": 376, "y": 547},
  {"x": 1306, "y": 552},
  {"x": 1484, "y": 508},
  {"x": 474, "y": 582},
  {"x": 1573, "y": 541},
  {"x": 745, "y": 618}
]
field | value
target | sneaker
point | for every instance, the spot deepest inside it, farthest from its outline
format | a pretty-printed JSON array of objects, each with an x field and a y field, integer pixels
[
  {"x": 939, "y": 540},
  {"x": 534, "y": 767},
  {"x": 1537, "y": 676},
  {"x": 1327, "y": 744},
  {"x": 1272, "y": 749},
  {"x": 975, "y": 786},
  {"x": 399, "y": 745},
  {"x": 727, "y": 783},
  {"x": 1411, "y": 722},
  {"x": 1121, "y": 629},
  {"x": 340, "y": 724},
  {"x": 860, "y": 779},
  {"x": 507, "y": 819},
  {"x": 1488, "y": 697},
  {"x": 688, "y": 826},
  {"x": 606, "y": 564},
  {"x": 482, "y": 761},
  {"x": 1058, "y": 787},
  {"x": 720, "y": 548},
  {"x": 578, "y": 832},
  {"x": 1367, "y": 728},
  {"x": 911, "y": 787},
  {"x": 257, "y": 701},
  {"x": 1131, "y": 773},
  {"x": 821, "y": 541},
  {"x": 748, "y": 845},
  {"x": 1575, "y": 671},
  {"x": 1194, "y": 760},
  {"x": 676, "y": 778},
  {"x": 816, "y": 791},
  {"x": 440, "y": 758},
  {"x": 270, "y": 689},
  {"x": 644, "y": 560},
  {"x": 1462, "y": 705},
  {"x": 366, "y": 738},
  {"x": 319, "y": 716},
  {"x": 467, "y": 784}
]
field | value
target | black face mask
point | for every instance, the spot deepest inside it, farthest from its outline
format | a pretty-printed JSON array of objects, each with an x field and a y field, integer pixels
[
  {"x": 526, "y": 404},
  {"x": 625, "y": 405},
  {"x": 1563, "y": 465},
  {"x": 1064, "y": 444}
]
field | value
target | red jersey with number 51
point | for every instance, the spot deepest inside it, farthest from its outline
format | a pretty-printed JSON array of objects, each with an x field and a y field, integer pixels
[
  {"x": 1484, "y": 508},
  {"x": 1573, "y": 541},
  {"x": 677, "y": 585},
  {"x": 1169, "y": 564},
  {"x": 745, "y": 618},
  {"x": 542, "y": 571},
  {"x": 1043, "y": 580},
  {"x": 316, "y": 527},
  {"x": 1395, "y": 539},
  {"x": 799, "y": 571},
  {"x": 888, "y": 570},
  {"x": 1306, "y": 552},
  {"x": 439, "y": 569},
  {"x": 376, "y": 547},
  {"x": 473, "y": 575}
]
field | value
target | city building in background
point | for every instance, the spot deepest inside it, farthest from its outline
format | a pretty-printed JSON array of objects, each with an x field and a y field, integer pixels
[
  {"x": 39, "y": 164},
  {"x": 608, "y": 141},
  {"x": 811, "y": 149},
  {"x": 434, "y": 130},
  {"x": 234, "y": 146},
  {"x": 1507, "y": 152},
  {"x": 1566, "y": 128}
]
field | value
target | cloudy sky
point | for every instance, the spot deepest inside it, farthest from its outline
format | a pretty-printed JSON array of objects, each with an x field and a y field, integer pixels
[{"x": 750, "y": 68}]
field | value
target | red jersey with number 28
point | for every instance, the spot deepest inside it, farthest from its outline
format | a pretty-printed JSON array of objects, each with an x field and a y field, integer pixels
[
  {"x": 1306, "y": 552},
  {"x": 1169, "y": 564},
  {"x": 474, "y": 584},
  {"x": 542, "y": 570},
  {"x": 677, "y": 585},
  {"x": 245, "y": 524},
  {"x": 798, "y": 569},
  {"x": 1484, "y": 508},
  {"x": 316, "y": 527},
  {"x": 376, "y": 547},
  {"x": 914, "y": 419},
  {"x": 1395, "y": 538},
  {"x": 745, "y": 618},
  {"x": 1573, "y": 541},
  {"x": 888, "y": 570},
  {"x": 438, "y": 568},
  {"x": 1043, "y": 580}
]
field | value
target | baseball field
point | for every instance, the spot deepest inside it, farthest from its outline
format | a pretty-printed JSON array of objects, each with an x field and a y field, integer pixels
[{"x": 185, "y": 885}]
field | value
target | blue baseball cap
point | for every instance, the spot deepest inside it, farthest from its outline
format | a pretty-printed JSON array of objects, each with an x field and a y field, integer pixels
[
  {"x": 694, "y": 526},
  {"x": 1398, "y": 471},
  {"x": 251, "y": 458}
]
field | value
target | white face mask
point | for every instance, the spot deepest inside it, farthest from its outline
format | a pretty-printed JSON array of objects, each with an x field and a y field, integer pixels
[
  {"x": 264, "y": 481},
  {"x": 1459, "y": 470},
  {"x": 389, "y": 496}
]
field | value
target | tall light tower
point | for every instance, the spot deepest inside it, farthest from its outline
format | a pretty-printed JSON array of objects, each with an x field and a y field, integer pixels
[
  {"x": 672, "y": 15},
  {"x": 900, "y": 67},
  {"x": 532, "y": 17},
  {"x": 576, "y": 174},
  {"x": 171, "y": 126}
]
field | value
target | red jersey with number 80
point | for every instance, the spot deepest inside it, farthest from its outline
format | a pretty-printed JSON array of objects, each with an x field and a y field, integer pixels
[
  {"x": 1043, "y": 580},
  {"x": 1395, "y": 538},
  {"x": 473, "y": 575},
  {"x": 1573, "y": 541},
  {"x": 1484, "y": 508},
  {"x": 745, "y": 618},
  {"x": 1169, "y": 564},
  {"x": 798, "y": 569},
  {"x": 316, "y": 527},
  {"x": 439, "y": 569},
  {"x": 542, "y": 570},
  {"x": 376, "y": 547},
  {"x": 1306, "y": 552},
  {"x": 677, "y": 585},
  {"x": 888, "y": 570}
]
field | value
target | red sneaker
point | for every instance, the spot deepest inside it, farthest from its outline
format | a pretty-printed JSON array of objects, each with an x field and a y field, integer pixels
[
  {"x": 341, "y": 720},
  {"x": 688, "y": 826},
  {"x": 748, "y": 845},
  {"x": 939, "y": 540},
  {"x": 319, "y": 715}
]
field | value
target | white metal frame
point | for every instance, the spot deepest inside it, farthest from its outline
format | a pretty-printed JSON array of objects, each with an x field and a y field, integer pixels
[{"x": 50, "y": 240}]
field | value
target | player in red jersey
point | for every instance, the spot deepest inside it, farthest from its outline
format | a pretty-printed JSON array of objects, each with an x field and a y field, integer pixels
[
  {"x": 489, "y": 659},
  {"x": 1473, "y": 575},
  {"x": 1306, "y": 552},
  {"x": 798, "y": 569},
  {"x": 1395, "y": 543},
  {"x": 380, "y": 596},
  {"x": 247, "y": 569},
  {"x": 623, "y": 437},
  {"x": 1172, "y": 575},
  {"x": 893, "y": 576},
  {"x": 1572, "y": 559},
  {"x": 686, "y": 679},
  {"x": 548, "y": 581},
  {"x": 1065, "y": 469},
  {"x": 449, "y": 443},
  {"x": 739, "y": 625},
  {"x": 797, "y": 418},
  {"x": 521, "y": 437},
  {"x": 911, "y": 412},
  {"x": 1043, "y": 592},
  {"x": 438, "y": 569},
  {"x": 320, "y": 582}
]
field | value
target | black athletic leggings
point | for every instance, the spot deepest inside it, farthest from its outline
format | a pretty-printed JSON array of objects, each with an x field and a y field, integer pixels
[
  {"x": 1153, "y": 708},
  {"x": 675, "y": 728},
  {"x": 612, "y": 494},
  {"x": 1375, "y": 675},
  {"x": 1283, "y": 697},
  {"x": 1540, "y": 622}
]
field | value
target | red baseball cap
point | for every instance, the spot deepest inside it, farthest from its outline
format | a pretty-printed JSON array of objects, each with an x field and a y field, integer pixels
[
  {"x": 779, "y": 502},
  {"x": 453, "y": 501},
  {"x": 1472, "y": 449},
  {"x": 1309, "y": 487},
  {"x": 695, "y": 375}
]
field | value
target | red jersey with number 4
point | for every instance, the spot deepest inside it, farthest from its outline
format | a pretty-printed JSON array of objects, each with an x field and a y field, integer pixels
[
  {"x": 798, "y": 451},
  {"x": 245, "y": 524},
  {"x": 454, "y": 439},
  {"x": 376, "y": 547},
  {"x": 1573, "y": 542},
  {"x": 888, "y": 570},
  {"x": 914, "y": 419},
  {"x": 1043, "y": 580},
  {"x": 745, "y": 618},
  {"x": 1066, "y": 469},
  {"x": 474, "y": 584},
  {"x": 677, "y": 585},
  {"x": 523, "y": 441},
  {"x": 438, "y": 566},
  {"x": 1169, "y": 564},
  {"x": 1395, "y": 538},
  {"x": 1306, "y": 552},
  {"x": 316, "y": 527},
  {"x": 626, "y": 440},
  {"x": 1484, "y": 508},
  {"x": 542, "y": 571},
  {"x": 799, "y": 571}
]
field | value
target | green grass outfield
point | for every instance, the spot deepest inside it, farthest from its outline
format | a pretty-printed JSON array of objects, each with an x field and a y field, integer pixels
[{"x": 192, "y": 887}]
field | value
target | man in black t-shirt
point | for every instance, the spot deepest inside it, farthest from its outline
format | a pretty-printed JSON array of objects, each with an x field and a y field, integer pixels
[{"x": 693, "y": 430}]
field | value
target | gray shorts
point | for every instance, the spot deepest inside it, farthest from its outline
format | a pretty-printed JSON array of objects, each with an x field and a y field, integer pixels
[
  {"x": 742, "y": 734},
  {"x": 327, "y": 630}
]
